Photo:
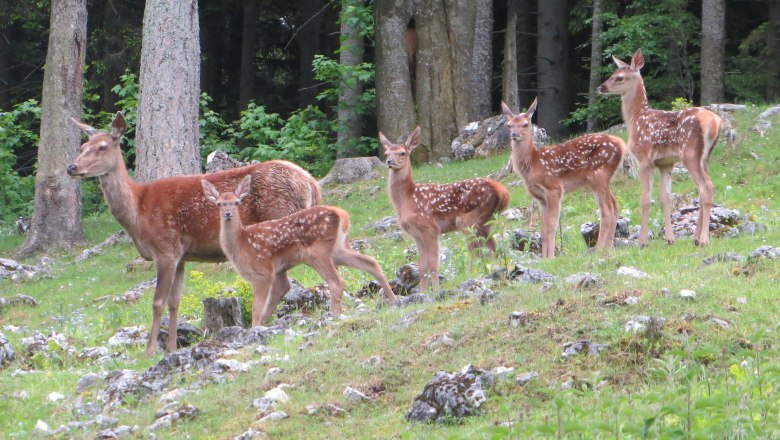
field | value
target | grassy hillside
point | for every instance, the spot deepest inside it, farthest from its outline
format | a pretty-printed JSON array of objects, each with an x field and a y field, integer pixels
[{"x": 697, "y": 379}]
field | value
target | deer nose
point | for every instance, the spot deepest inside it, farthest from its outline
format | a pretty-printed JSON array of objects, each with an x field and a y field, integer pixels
[
  {"x": 71, "y": 169},
  {"x": 389, "y": 162},
  {"x": 602, "y": 88},
  {"x": 228, "y": 215}
]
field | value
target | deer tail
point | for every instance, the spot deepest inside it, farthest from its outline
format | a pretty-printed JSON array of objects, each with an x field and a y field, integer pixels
[{"x": 502, "y": 196}]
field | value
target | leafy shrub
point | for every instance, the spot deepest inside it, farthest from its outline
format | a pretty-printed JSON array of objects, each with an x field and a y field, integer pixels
[
  {"x": 200, "y": 288},
  {"x": 18, "y": 133},
  {"x": 681, "y": 103}
]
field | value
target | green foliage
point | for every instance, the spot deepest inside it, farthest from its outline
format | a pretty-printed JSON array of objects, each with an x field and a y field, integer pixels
[
  {"x": 18, "y": 133},
  {"x": 668, "y": 35},
  {"x": 214, "y": 132},
  {"x": 303, "y": 138},
  {"x": 681, "y": 103},
  {"x": 200, "y": 288},
  {"x": 750, "y": 73},
  {"x": 127, "y": 90}
]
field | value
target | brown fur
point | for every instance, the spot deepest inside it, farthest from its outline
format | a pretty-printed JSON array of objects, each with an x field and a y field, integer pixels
[
  {"x": 425, "y": 211},
  {"x": 170, "y": 220},
  {"x": 264, "y": 252},
  {"x": 587, "y": 161},
  {"x": 659, "y": 139}
]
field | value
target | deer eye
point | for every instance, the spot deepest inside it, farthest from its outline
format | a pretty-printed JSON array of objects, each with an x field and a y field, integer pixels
[
  {"x": 102, "y": 147},
  {"x": 402, "y": 154},
  {"x": 525, "y": 124},
  {"x": 619, "y": 78}
]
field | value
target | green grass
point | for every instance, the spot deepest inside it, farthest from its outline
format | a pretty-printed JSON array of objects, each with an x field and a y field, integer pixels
[{"x": 720, "y": 381}]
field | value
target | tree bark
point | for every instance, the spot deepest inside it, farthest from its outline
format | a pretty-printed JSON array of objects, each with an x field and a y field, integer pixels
[
  {"x": 713, "y": 50},
  {"x": 5, "y": 78},
  {"x": 595, "y": 61},
  {"x": 509, "y": 89},
  {"x": 246, "y": 85},
  {"x": 395, "y": 110},
  {"x": 552, "y": 62},
  {"x": 351, "y": 56},
  {"x": 56, "y": 220},
  {"x": 169, "y": 91},
  {"x": 482, "y": 62},
  {"x": 773, "y": 92}
]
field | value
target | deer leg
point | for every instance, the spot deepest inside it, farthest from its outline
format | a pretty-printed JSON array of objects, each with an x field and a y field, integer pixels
[
  {"x": 666, "y": 202},
  {"x": 350, "y": 258},
  {"x": 165, "y": 275},
  {"x": 422, "y": 269},
  {"x": 173, "y": 307},
  {"x": 280, "y": 286},
  {"x": 261, "y": 289},
  {"x": 542, "y": 225},
  {"x": 698, "y": 172},
  {"x": 646, "y": 179},
  {"x": 550, "y": 220},
  {"x": 433, "y": 260},
  {"x": 330, "y": 274}
]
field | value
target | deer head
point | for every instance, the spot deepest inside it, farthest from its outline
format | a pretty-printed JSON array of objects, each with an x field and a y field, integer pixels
[
  {"x": 101, "y": 154},
  {"x": 625, "y": 78},
  {"x": 227, "y": 202},
  {"x": 397, "y": 155},
  {"x": 520, "y": 128}
]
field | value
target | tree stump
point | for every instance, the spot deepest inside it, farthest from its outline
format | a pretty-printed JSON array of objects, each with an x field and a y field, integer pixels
[{"x": 221, "y": 312}]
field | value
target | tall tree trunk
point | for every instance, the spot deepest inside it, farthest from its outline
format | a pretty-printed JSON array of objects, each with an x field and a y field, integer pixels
[
  {"x": 308, "y": 46},
  {"x": 713, "y": 50},
  {"x": 167, "y": 123},
  {"x": 595, "y": 61},
  {"x": 395, "y": 110},
  {"x": 246, "y": 90},
  {"x": 552, "y": 60},
  {"x": 482, "y": 62},
  {"x": 509, "y": 90},
  {"x": 773, "y": 93},
  {"x": 526, "y": 64},
  {"x": 351, "y": 56},
  {"x": 56, "y": 220}
]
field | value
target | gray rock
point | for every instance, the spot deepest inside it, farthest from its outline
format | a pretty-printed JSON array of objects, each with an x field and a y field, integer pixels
[
  {"x": 276, "y": 415},
  {"x": 723, "y": 257},
  {"x": 93, "y": 353},
  {"x": 372, "y": 362},
  {"x": 687, "y": 294},
  {"x": 582, "y": 346},
  {"x": 299, "y": 298},
  {"x": 769, "y": 252},
  {"x": 355, "y": 396},
  {"x": 631, "y": 272},
  {"x": 590, "y": 231},
  {"x": 524, "y": 274},
  {"x": 239, "y": 337},
  {"x": 643, "y": 323},
  {"x": 271, "y": 398},
  {"x": 169, "y": 415},
  {"x": 525, "y": 241},
  {"x": 113, "y": 240},
  {"x": 751, "y": 228},
  {"x": 134, "y": 293},
  {"x": 451, "y": 396},
  {"x": 220, "y": 161},
  {"x": 186, "y": 333},
  {"x": 413, "y": 299},
  {"x": 502, "y": 372},
  {"x": 406, "y": 279},
  {"x": 7, "y": 354},
  {"x": 17, "y": 271},
  {"x": 251, "y": 434},
  {"x": 722, "y": 323},
  {"x": 221, "y": 312},
  {"x": 584, "y": 280},
  {"x": 352, "y": 169},
  {"x": 127, "y": 336},
  {"x": 525, "y": 378},
  {"x": 18, "y": 299},
  {"x": 519, "y": 319},
  {"x": 385, "y": 224},
  {"x": 488, "y": 137},
  {"x": 90, "y": 381},
  {"x": 406, "y": 320}
]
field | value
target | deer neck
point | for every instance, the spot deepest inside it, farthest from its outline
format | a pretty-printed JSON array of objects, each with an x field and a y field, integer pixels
[
  {"x": 634, "y": 102},
  {"x": 120, "y": 193},
  {"x": 523, "y": 155},
  {"x": 231, "y": 236},
  {"x": 400, "y": 185}
]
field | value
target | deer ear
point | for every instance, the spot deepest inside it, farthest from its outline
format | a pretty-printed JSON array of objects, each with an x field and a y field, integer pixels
[
  {"x": 118, "y": 127},
  {"x": 507, "y": 110},
  {"x": 619, "y": 63},
  {"x": 531, "y": 109},
  {"x": 384, "y": 141},
  {"x": 84, "y": 127},
  {"x": 413, "y": 141},
  {"x": 638, "y": 60},
  {"x": 244, "y": 186},
  {"x": 212, "y": 195}
]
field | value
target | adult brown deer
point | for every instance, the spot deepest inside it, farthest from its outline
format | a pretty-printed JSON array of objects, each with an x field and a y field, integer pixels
[
  {"x": 659, "y": 139},
  {"x": 425, "y": 211},
  {"x": 264, "y": 252},
  {"x": 170, "y": 220},
  {"x": 589, "y": 161}
]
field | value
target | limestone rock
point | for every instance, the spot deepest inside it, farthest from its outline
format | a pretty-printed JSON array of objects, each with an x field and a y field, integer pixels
[
  {"x": 352, "y": 169},
  {"x": 451, "y": 395}
]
